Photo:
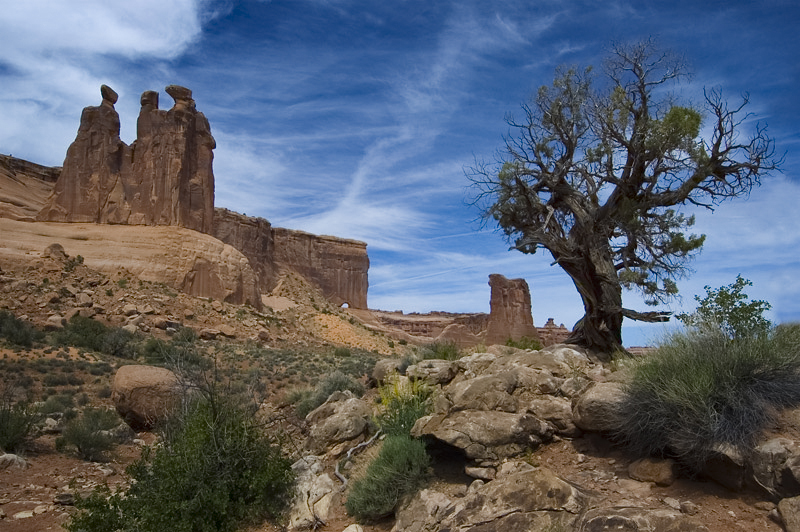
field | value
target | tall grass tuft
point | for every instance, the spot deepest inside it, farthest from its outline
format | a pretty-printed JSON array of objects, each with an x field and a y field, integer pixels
[{"x": 701, "y": 390}]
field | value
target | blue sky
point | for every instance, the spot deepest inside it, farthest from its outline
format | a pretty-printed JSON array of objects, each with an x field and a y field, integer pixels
[{"x": 358, "y": 119}]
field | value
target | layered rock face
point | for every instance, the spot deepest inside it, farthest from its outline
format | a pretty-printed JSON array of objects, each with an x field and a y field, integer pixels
[
  {"x": 185, "y": 260},
  {"x": 164, "y": 178},
  {"x": 24, "y": 187},
  {"x": 338, "y": 266},
  {"x": 253, "y": 237},
  {"x": 510, "y": 315}
]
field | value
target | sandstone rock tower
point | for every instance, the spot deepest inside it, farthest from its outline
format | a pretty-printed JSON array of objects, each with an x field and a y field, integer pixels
[
  {"x": 510, "y": 310},
  {"x": 164, "y": 178}
]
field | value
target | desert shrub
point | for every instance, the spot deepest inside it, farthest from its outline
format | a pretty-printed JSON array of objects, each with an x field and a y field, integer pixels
[
  {"x": 118, "y": 342},
  {"x": 72, "y": 263},
  {"x": 342, "y": 352},
  {"x": 215, "y": 471},
  {"x": 88, "y": 435},
  {"x": 55, "y": 379},
  {"x": 526, "y": 342},
  {"x": 17, "y": 332},
  {"x": 335, "y": 382},
  {"x": 440, "y": 351},
  {"x": 400, "y": 469},
  {"x": 701, "y": 389},
  {"x": 57, "y": 403},
  {"x": 17, "y": 421},
  {"x": 81, "y": 332},
  {"x": 403, "y": 403},
  {"x": 729, "y": 309}
]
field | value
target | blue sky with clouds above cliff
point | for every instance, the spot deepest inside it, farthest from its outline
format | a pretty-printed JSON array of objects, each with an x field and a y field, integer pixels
[{"x": 358, "y": 118}]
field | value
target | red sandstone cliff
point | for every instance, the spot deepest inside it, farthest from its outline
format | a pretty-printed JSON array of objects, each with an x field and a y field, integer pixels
[
  {"x": 510, "y": 315},
  {"x": 164, "y": 178}
]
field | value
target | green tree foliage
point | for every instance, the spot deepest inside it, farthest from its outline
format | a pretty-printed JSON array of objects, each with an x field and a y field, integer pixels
[
  {"x": 16, "y": 331},
  {"x": 597, "y": 171},
  {"x": 728, "y": 308}
]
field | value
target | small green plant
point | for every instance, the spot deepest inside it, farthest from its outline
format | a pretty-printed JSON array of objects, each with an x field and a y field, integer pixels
[
  {"x": 526, "y": 342},
  {"x": 17, "y": 421},
  {"x": 215, "y": 471},
  {"x": 57, "y": 403},
  {"x": 342, "y": 352},
  {"x": 81, "y": 332},
  {"x": 88, "y": 434},
  {"x": 400, "y": 469},
  {"x": 403, "y": 403},
  {"x": 17, "y": 332},
  {"x": 123, "y": 283},
  {"x": 440, "y": 351},
  {"x": 72, "y": 263}
]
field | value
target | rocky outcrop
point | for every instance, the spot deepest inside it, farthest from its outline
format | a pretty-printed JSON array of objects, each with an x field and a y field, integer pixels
[
  {"x": 338, "y": 266},
  {"x": 185, "y": 260},
  {"x": 253, "y": 237},
  {"x": 164, "y": 178},
  {"x": 144, "y": 395},
  {"x": 24, "y": 187},
  {"x": 510, "y": 315}
]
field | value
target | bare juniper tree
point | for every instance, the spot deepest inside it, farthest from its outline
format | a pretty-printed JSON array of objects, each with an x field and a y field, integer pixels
[{"x": 596, "y": 175}]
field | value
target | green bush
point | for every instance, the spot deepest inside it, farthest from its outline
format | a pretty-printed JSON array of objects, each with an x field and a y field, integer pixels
[
  {"x": 701, "y": 389},
  {"x": 729, "y": 309},
  {"x": 17, "y": 421},
  {"x": 215, "y": 471},
  {"x": 525, "y": 342},
  {"x": 81, "y": 332},
  {"x": 400, "y": 469},
  {"x": 57, "y": 403},
  {"x": 88, "y": 434},
  {"x": 118, "y": 342},
  {"x": 440, "y": 351},
  {"x": 17, "y": 332},
  {"x": 403, "y": 402},
  {"x": 335, "y": 382}
]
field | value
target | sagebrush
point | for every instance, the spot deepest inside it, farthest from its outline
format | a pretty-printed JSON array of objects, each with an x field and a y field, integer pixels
[{"x": 702, "y": 390}]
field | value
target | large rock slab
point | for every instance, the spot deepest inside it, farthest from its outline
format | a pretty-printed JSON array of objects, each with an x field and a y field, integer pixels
[
  {"x": 145, "y": 395},
  {"x": 182, "y": 259},
  {"x": 315, "y": 494},
  {"x": 485, "y": 436},
  {"x": 532, "y": 499},
  {"x": 635, "y": 519}
]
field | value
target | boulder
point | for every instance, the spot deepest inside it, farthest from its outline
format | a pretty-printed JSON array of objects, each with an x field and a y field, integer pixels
[
  {"x": 315, "y": 494},
  {"x": 488, "y": 392},
  {"x": 425, "y": 510},
  {"x": 596, "y": 409},
  {"x": 534, "y": 499},
  {"x": 776, "y": 467},
  {"x": 658, "y": 470},
  {"x": 485, "y": 436},
  {"x": 555, "y": 410},
  {"x": 144, "y": 395},
  {"x": 385, "y": 367},
  {"x": 56, "y": 252},
  {"x": 790, "y": 513},
  {"x": 341, "y": 418},
  {"x": 433, "y": 371}
]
